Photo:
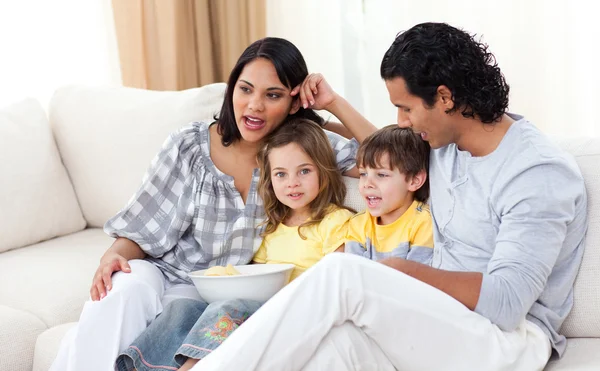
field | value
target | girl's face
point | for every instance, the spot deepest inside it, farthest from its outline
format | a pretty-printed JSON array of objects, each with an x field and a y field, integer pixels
[
  {"x": 295, "y": 178},
  {"x": 260, "y": 101}
]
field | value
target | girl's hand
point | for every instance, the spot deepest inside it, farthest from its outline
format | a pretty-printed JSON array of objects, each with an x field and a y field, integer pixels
[
  {"x": 315, "y": 92},
  {"x": 102, "y": 278}
]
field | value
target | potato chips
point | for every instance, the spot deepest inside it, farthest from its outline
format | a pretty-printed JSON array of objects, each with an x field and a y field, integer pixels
[{"x": 218, "y": 270}]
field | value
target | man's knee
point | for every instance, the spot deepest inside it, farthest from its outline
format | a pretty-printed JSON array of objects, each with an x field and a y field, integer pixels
[{"x": 334, "y": 260}]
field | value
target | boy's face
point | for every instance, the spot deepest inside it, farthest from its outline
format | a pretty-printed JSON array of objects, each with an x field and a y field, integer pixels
[{"x": 387, "y": 192}]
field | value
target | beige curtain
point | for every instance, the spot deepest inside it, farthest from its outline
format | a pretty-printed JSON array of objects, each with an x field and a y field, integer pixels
[{"x": 181, "y": 44}]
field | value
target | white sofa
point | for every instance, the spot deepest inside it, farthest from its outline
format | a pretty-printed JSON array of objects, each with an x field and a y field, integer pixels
[{"x": 65, "y": 175}]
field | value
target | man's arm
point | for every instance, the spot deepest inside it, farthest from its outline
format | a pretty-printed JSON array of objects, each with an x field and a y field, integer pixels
[
  {"x": 462, "y": 286},
  {"x": 535, "y": 207}
]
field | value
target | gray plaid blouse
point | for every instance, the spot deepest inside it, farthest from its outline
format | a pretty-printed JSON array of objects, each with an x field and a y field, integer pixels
[{"x": 188, "y": 215}]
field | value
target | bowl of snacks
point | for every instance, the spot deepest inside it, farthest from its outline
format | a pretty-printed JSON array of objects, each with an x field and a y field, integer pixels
[{"x": 252, "y": 282}]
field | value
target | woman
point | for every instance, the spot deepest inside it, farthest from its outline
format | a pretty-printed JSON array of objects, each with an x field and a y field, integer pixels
[{"x": 198, "y": 203}]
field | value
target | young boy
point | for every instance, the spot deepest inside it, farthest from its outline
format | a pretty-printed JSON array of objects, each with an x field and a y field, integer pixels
[{"x": 393, "y": 164}]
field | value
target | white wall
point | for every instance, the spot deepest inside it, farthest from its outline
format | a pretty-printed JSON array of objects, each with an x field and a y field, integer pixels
[
  {"x": 548, "y": 50},
  {"x": 47, "y": 44},
  {"x": 319, "y": 28}
]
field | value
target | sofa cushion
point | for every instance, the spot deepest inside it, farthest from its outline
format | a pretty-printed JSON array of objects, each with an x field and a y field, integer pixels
[
  {"x": 47, "y": 344},
  {"x": 53, "y": 277},
  {"x": 18, "y": 333},
  {"x": 353, "y": 199},
  {"x": 584, "y": 319},
  {"x": 581, "y": 355},
  {"x": 108, "y": 136},
  {"x": 37, "y": 198}
]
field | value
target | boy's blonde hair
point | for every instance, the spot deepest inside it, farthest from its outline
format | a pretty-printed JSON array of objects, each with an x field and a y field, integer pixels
[
  {"x": 314, "y": 142},
  {"x": 407, "y": 152}
]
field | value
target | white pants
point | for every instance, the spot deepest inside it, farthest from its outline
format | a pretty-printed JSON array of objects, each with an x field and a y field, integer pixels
[
  {"x": 349, "y": 313},
  {"x": 108, "y": 326}
]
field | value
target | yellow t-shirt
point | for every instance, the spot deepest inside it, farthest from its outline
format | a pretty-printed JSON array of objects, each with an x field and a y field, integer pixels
[
  {"x": 409, "y": 237},
  {"x": 286, "y": 246}
]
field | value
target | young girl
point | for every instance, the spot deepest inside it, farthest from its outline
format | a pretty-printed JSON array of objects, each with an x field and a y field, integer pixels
[
  {"x": 198, "y": 204},
  {"x": 303, "y": 195}
]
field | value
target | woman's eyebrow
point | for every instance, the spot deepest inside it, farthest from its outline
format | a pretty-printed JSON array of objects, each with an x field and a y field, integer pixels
[{"x": 268, "y": 89}]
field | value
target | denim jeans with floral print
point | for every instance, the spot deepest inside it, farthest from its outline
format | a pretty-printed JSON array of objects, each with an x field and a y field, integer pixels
[{"x": 185, "y": 329}]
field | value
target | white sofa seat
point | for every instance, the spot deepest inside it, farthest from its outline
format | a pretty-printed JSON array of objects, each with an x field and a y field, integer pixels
[
  {"x": 18, "y": 333},
  {"x": 582, "y": 354},
  {"x": 44, "y": 285},
  {"x": 51, "y": 279},
  {"x": 47, "y": 344}
]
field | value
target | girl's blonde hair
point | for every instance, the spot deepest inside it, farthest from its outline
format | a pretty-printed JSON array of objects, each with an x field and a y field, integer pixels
[{"x": 314, "y": 142}]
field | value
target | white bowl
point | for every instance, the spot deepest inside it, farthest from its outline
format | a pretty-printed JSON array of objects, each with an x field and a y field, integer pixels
[{"x": 256, "y": 282}]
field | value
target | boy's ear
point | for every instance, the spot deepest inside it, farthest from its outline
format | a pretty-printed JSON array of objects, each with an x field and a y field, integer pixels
[
  {"x": 417, "y": 181},
  {"x": 295, "y": 105}
]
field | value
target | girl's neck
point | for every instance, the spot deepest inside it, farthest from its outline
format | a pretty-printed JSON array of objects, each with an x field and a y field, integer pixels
[{"x": 296, "y": 217}]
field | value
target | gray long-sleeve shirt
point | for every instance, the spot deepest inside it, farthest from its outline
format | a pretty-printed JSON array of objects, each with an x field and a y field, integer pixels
[{"x": 517, "y": 215}]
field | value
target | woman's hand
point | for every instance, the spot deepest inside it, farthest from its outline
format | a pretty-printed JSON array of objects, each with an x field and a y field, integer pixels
[
  {"x": 110, "y": 263},
  {"x": 315, "y": 92}
]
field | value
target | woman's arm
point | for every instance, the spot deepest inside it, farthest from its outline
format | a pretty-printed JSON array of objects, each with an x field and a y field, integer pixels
[{"x": 338, "y": 128}]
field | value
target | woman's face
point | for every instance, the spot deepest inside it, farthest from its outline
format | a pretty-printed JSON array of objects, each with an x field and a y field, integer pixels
[{"x": 260, "y": 101}]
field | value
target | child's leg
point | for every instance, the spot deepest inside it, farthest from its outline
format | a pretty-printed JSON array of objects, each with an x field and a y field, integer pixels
[
  {"x": 155, "y": 347},
  {"x": 217, "y": 322},
  {"x": 108, "y": 326}
]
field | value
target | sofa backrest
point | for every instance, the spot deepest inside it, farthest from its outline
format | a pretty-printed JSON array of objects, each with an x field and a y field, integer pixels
[
  {"x": 37, "y": 201},
  {"x": 584, "y": 319},
  {"x": 107, "y": 137}
]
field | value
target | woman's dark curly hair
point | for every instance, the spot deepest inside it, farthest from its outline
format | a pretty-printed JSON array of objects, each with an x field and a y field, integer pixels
[{"x": 432, "y": 54}]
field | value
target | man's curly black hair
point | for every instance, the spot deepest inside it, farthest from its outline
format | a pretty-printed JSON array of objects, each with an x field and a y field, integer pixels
[{"x": 433, "y": 54}]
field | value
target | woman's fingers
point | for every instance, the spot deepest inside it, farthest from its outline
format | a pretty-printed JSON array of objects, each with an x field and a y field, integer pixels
[
  {"x": 314, "y": 81},
  {"x": 309, "y": 99},
  {"x": 295, "y": 90},
  {"x": 124, "y": 264},
  {"x": 94, "y": 293}
]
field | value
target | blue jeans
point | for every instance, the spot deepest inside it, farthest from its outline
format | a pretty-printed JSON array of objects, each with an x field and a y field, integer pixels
[{"x": 186, "y": 328}]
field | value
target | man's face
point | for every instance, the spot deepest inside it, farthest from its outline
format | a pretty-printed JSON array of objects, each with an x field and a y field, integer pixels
[{"x": 430, "y": 122}]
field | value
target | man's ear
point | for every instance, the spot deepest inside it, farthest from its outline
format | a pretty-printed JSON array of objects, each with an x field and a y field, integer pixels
[
  {"x": 295, "y": 105},
  {"x": 444, "y": 96},
  {"x": 417, "y": 181}
]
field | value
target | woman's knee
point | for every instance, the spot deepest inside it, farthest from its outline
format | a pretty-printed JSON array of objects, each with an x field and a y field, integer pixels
[{"x": 143, "y": 276}]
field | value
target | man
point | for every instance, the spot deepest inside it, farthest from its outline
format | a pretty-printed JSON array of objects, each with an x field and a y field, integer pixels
[{"x": 509, "y": 212}]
